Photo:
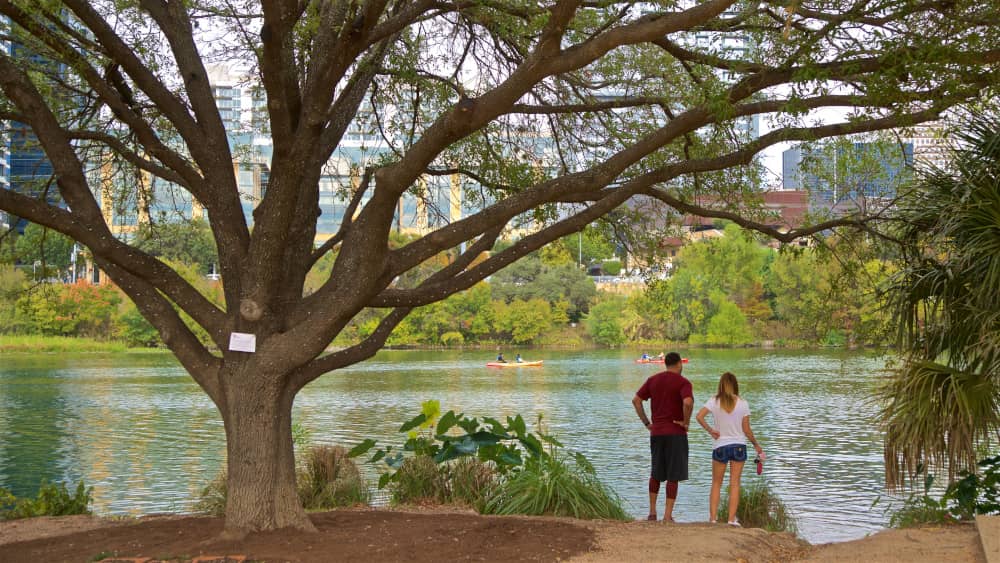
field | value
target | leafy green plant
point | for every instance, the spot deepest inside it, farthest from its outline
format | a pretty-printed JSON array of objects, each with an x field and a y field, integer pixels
[
  {"x": 329, "y": 478},
  {"x": 759, "y": 508},
  {"x": 976, "y": 493},
  {"x": 963, "y": 499},
  {"x": 556, "y": 486},
  {"x": 451, "y": 436},
  {"x": 921, "y": 508},
  {"x": 496, "y": 468},
  {"x": 52, "y": 500}
]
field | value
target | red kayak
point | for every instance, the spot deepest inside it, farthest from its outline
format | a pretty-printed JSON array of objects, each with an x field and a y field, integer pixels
[{"x": 657, "y": 361}]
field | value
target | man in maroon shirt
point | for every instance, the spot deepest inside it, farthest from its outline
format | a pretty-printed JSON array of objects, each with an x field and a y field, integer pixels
[{"x": 672, "y": 403}]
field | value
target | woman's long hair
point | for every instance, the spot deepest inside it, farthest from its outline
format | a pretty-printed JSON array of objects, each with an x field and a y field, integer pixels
[{"x": 729, "y": 389}]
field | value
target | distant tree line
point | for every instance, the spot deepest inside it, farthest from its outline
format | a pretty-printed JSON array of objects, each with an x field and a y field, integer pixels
[{"x": 724, "y": 291}]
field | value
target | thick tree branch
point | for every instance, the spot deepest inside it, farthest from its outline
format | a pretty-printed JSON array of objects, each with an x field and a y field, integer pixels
[
  {"x": 199, "y": 363},
  {"x": 353, "y": 354},
  {"x": 345, "y": 222},
  {"x": 112, "y": 251}
]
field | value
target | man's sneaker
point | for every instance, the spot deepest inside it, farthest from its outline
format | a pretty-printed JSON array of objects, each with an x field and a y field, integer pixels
[{"x": 735, "y": 523}]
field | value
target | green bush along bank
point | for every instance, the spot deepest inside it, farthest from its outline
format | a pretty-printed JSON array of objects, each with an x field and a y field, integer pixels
[
  {"x": 52, "y": 500},
  {"x": 489, "y": 465}
]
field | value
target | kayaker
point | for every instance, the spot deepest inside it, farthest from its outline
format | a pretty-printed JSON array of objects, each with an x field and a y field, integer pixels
[
  {"x": 500, "y": 358},
  {"x": 518, "y": 359},
  {"x": 645, "y": 356}
]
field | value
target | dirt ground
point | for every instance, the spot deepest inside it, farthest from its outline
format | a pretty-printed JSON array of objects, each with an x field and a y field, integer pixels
[{"x": 426, "y": 536}]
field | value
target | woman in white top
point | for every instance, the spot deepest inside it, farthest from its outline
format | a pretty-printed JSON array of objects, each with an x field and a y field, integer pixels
[{"x": 730, "y": 432}]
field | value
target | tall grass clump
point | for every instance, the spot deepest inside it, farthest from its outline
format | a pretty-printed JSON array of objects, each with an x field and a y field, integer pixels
[
  {"x": 212, "y": 500},
  {"x": 52, "y": 500},
  {"x": 555, "y": 486},
  {"x": 329, "y": 478},
  {"x": 471, "y": 482},
  {"x": 759, "y": 508},
  {"x": 418, "y": 481}
]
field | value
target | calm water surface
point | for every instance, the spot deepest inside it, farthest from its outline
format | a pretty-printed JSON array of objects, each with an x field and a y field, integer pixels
[{"x": 142, "y": 433}]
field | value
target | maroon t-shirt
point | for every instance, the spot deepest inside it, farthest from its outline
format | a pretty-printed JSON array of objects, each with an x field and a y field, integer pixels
[{"x": 667, "y": 390}]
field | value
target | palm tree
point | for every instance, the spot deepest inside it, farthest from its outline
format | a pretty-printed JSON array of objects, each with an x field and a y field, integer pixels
[{"x": 942, "y": 402}]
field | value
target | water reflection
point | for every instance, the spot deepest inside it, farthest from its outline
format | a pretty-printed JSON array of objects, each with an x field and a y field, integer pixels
[{"x": 140, "y": 431}]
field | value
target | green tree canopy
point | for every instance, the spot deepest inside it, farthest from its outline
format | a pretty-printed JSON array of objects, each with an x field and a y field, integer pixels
[
  {"x": 188, "y": 242},
  {"x": 44, "y": 246},
  {"x": 530, "y": 278}
]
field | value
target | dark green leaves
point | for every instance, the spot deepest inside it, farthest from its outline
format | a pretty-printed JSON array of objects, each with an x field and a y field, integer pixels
[
  {"x": 506, "y": 447},
  {"x": 413, "y": 422},
  {"x": 361, "y": 448}
]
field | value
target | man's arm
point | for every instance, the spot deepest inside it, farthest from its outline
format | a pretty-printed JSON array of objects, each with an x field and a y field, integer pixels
[
  {"x": 688, "y": 409},
  {"x": 639, "y": 410}
]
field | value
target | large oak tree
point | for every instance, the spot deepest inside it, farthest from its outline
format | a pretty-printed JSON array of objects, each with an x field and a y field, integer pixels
[{"x": 559, "y": 111}]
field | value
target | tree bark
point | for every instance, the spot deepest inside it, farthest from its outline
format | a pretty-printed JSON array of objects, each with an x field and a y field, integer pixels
[{"x": 257, "y": 413}]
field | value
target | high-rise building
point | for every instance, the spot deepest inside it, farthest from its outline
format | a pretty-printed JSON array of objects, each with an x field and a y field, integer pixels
[
  {"x": 24, "y": 166},
  {"x": 435, "y": 201},
  {"x": 834, "y": 172},
  {"x": 737, "y": 46},
  {"x": 930, "y": 145}
]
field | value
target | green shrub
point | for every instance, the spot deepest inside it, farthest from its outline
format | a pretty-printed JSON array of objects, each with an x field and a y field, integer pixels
[
  {"x": 553, "y": 486},
  {"x": 496, "y": 468},
  {"x": 330, "y": 479},
  {"x": 611, "y": 267},
  {"x": 918, "y": 510},
  {"x": 452, "y": 338},
  {"x": 972, "y": 494},
  {"x": 976, "y": 493},
  {"x": 759, "y": 508},
  {"x": 52, "y": 500}
]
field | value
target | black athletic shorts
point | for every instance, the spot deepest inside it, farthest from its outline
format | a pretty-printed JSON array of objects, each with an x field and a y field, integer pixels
[{"x": 670, "y": 457}]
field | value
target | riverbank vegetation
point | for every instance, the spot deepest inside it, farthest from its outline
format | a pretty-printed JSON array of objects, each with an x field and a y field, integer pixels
[
  {"x": 493, "y": 467},
  {"x": 52, "y": 500},
  {"x": 759, "y": 507},
  {"x": 729, "y": 290}
]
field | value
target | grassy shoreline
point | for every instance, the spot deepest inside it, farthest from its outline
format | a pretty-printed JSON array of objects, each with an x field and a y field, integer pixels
[{"x": 34, "y": 344}]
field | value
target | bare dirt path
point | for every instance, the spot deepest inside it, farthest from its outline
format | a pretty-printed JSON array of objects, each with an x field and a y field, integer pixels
[{"x": 425, "y": 536}]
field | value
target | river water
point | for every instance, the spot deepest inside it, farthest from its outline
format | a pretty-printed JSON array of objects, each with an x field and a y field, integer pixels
[{"x": 138, "y": 429}]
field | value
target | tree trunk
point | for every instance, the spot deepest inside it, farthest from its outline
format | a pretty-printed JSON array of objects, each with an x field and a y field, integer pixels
[{"x": 261, "y": 489}]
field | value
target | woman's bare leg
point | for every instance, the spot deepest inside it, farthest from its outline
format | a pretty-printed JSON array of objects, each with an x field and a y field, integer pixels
[
  {"x": 735, "y": 472},
  {"x": 718, "y": 474}
]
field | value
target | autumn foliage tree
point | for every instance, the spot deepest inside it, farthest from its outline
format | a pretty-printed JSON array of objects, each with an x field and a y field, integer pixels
[{"x": 556, "y": 113}]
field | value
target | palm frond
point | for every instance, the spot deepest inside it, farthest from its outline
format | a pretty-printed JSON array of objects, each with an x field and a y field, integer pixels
[{"x": 942, "y": 402}]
